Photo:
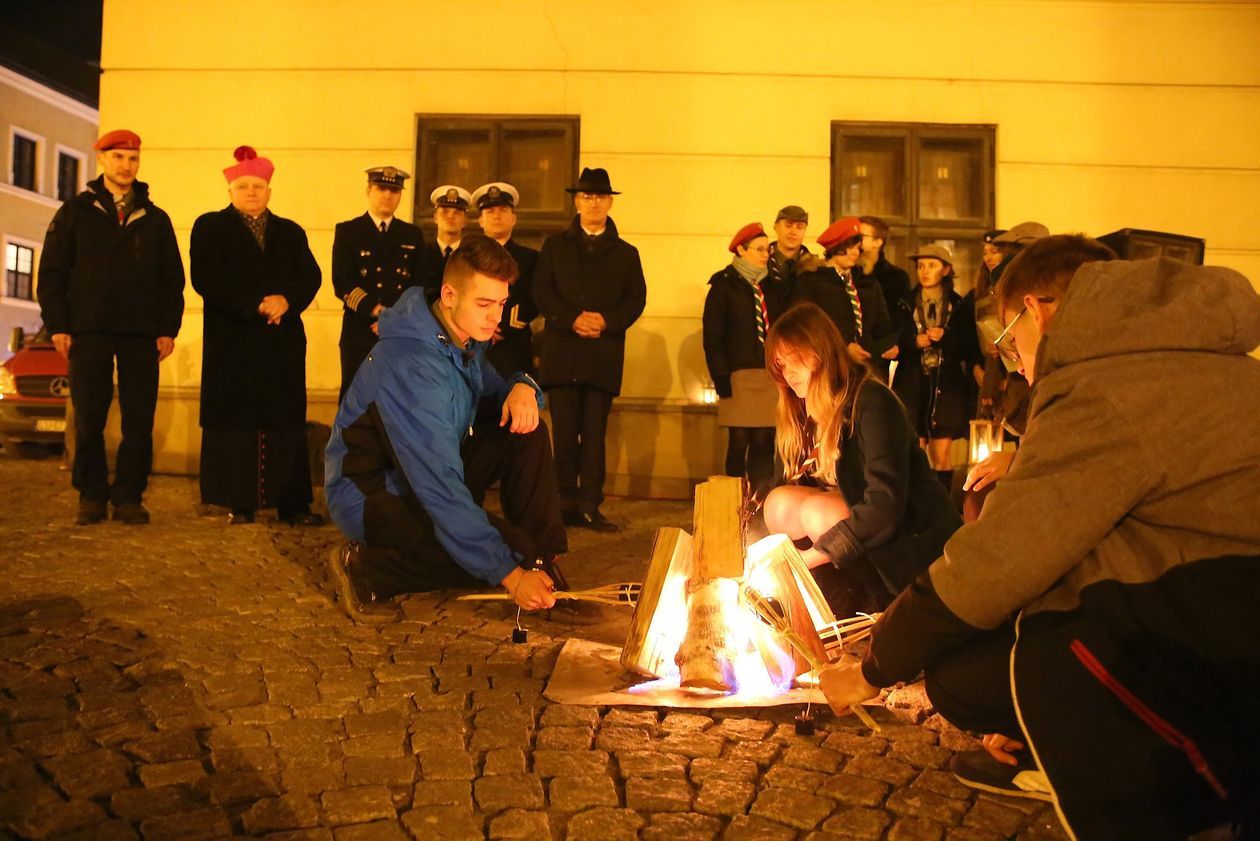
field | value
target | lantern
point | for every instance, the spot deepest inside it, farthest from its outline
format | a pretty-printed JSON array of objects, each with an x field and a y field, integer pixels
[
  {"x": 985, "y": 439},
  {"x": 709, "y": 395}
]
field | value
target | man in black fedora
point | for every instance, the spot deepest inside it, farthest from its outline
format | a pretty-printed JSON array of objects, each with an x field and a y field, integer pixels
[{"x": 589, "y": 287}]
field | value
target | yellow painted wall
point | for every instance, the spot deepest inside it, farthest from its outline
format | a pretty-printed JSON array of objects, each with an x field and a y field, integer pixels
[{"x": 708, "y": 114}]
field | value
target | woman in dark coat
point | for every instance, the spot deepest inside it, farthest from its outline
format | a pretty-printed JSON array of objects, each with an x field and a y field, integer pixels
[
  {"x": 256, "y": 274},
  {"x": 859, "y": 495},
  {"x": 736, "y": 319}
]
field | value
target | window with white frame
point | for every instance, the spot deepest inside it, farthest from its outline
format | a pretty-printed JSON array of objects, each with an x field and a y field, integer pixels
[
  {"x": 19, "y": 268},
  {"x": 68, "y": 168},
  {"x": 25, "y": 150}
]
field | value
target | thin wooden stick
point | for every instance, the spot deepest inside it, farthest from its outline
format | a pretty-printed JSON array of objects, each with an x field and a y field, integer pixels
[
  {"x": 626, "y": 594},
  {"x": 865, "y": 718}
]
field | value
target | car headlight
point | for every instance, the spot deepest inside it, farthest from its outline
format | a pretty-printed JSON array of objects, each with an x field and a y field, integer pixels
[{"x": 8, "y": 385}]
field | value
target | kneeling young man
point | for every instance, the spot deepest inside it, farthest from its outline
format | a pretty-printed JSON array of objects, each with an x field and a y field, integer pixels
[
  {"x": 1098, "y": 622},
  {"x": 424, "y": 429}
]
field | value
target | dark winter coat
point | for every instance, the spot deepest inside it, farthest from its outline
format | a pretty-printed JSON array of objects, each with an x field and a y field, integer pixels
[
  {"x": 895, "y": 284},
  {"x": 823, "y": 285},
  {"x": 781, "y": 278},
  {"x": 1125, "y": 542},
  {"x": 515, "y": 351},
  {"x": 730, "y": 328},
  {"x": 940, "y": 402},
  {"x": 572, "y": 278},
  {"x": 371, "y": 268},
  {"x": 900, "y": 514},
  {"x": 99, "y": 276},
  {"x": 253, "y": 374}
]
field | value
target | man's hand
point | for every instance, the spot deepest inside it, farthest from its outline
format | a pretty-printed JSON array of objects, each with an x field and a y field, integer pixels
[
  {"x": 521, "y": 407},
  {"x": 858, "y": 352},
  {"x": 165, "y": 346},
  {"x": 531, "y": 590},
  {"x": 935, "y": 333},
  {"x": 988, "y": 471},
  {"x": 273, "y": 308},
  {"x": 1001, "y": 748},
  {"x": 891, "y": 353},
  {"x": 376, "y": 328},
  {"x": 589, "y": 325},
  {"x": 843, "y": 685},
  {"x": 977, "y": 371},
  {"x": 921, "y": 340},
  {"x": 61, "y": 341}
]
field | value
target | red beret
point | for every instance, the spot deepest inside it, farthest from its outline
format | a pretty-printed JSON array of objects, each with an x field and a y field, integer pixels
[
  {"x": 840, "y": 230},
  {"x": 745, "y": 235},
  {"x": 248, "y": 163},
  {"x": 119, "y": 139}
]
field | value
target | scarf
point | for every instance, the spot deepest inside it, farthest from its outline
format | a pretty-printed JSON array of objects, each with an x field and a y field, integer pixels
[
  {"x": 257, "y": 227},
  {"x": 754, "y": 274},
  {"x": 934, "y": 312}
]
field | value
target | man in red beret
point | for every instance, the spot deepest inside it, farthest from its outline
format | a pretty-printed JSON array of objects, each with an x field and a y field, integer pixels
[{"x": 111, "y": 290}]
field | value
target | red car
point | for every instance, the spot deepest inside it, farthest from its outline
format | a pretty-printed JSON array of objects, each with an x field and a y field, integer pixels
[{"x": 34, "y": 389}]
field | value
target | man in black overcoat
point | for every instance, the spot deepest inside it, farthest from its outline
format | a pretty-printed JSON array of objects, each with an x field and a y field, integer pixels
[
  {"x": 376, "y": 257},
  {"x": 589, "y": 287},
  {"x": 512, "y": 350},
  {"x": 256, "y": 273},
  {"x": 111, "y": 287}
]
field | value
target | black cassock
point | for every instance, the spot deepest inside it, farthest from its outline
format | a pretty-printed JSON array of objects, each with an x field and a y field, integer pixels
[{"x": 253, "y": 374}]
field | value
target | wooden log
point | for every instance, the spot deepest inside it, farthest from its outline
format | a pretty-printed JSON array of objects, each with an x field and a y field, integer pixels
[
  {"x": 776, "y": 570},
  {"x": 705, "y": 658},
  {"x": 718, "y": 545},
  {"x": 657, "y": 625}
]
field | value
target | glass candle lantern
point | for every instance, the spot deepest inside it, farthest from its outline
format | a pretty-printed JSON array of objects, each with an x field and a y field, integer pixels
[{"x": 985, "y": 439}]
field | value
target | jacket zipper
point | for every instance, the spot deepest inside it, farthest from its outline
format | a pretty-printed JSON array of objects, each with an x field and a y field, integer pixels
[{"x": 1162, "y": 727}]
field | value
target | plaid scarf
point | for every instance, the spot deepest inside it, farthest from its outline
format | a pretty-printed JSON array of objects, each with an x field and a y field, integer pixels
[{"x": 257, "y": 227}]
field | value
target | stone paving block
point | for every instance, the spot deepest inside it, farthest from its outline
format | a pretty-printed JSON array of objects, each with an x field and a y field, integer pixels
[
  {"x": 971, "y": 833},
  {"x": 312, "y": 780},
  {"x": 762, "y": 753},
  {"x": 881, "y": 768},
  {"x": 605, "y": 825},
  {"x": 785, "y": 776},
  {"x": 309, "y": 754},
  {"x": 987, "y": 815},
  {"x": 446, "y": 765},
  {"x": 1025, "y": 805},
  {"x": 855, "y": 744},
  {"x": 233, "y": 789},
  {"x": 195, "y": 720},
  {"x": 504, "y": 717},
  {"x": 1044, "y": 826},
  {"x": 357, "y": 805},
  {"x": 943, "y": 783},
  {"x": 504, "y": 736},
  {"x": 491, "y": 699},
  {"x": 259, "y": 714},
  {"x": 187, "y": 826},
  {"x": 238, "y": 736},
  {"x": 693, "y": 744},
  {"x": 245, "y": 759},
  {"x": 375, "y": 724},
  {"x": 55, "y": 743},
  {"x": 115, "y": 830},
  {"x": 165, "y": 747},
  {"x": 453, "y": 793},
  {"x": 679, "y": 722},
  {"x": 58, "y": 818},
  {"x": 618, "y": 739},
  {"x": 560, "y": 715},
  {"x": 381, "y": 744},
  {"x": 504, "y": 761},
  {"x": 901, "y": 733},
  {"x": 274, "y": 814},
  {"x": 752, "y": 828},
  {"x": 744, "y": 729},
  {"x": 915, "y": 829},
  {"x": 519, "y": 823},
  {"x": 735, "y": 770},
  {"x": 442, "y": 823},
  {"x": 854, "y": 791},
  {"x": 794, "y": 808},
  {"x": 920, "y": 755},
  {"x": 442, "y": 701},
  {"x": 292, "y": 690},
  {"x": 812, "y": 758},
  {"x": 860, "y": 824},
  {"x": 184, "y": 772},
  {"x": 563, "y": 763},
  {"x": 129, "y": 730},
  {"x": 375, "y": 831},
  {"x": 645, "y": 720},
  {"x": 574, "y": 794},
  {"x": 227, "y": 692},
  {"x": 89, "y": 775},
  {"x": 136, "y": 804},
  {"x": 462, "y": 685},
  {"x": 327, "y": 709},
  {"x": 682, "y": 826},
  {"x": 17, "y": 771},
  {"x": 510, "y": 791},
  {"x": 564, "y": 738},
  {"x": 926, "y": 804},
  {"x": 386, "y": 771},
  {"x": 651, "y": 765},
  {"x": 664, "y": 794},
  {"x": 724, "y": 797}
]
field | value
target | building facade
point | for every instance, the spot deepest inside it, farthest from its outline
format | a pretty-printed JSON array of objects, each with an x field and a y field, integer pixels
[{"x": 946, "y": 117}]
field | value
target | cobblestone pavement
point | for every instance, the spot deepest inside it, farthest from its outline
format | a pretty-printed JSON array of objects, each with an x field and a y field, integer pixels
[{"x": 189, "y": 680}]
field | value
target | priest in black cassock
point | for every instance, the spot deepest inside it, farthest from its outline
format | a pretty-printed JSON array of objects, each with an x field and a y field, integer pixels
[{"x": 256, "y": 274}]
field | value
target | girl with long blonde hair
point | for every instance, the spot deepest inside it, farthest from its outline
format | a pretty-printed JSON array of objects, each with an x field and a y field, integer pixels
[{"x": 859, "y": 498}]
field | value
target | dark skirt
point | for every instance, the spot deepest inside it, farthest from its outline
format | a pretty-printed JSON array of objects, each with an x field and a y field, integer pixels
[
  {"x": 251, "y": 469},
  {"x": 938, "y": 403}
]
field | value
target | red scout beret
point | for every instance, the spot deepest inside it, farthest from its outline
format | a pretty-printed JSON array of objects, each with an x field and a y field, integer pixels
[
  {"x": 118, "y": 139},
  {"x": 839, "y": 231},
  {"x": 248, "y": 164},
  {"x": 745, "y": 235}
]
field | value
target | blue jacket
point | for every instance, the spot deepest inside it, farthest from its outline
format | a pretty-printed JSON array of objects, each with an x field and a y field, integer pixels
[{"x": 425, "y": 395}]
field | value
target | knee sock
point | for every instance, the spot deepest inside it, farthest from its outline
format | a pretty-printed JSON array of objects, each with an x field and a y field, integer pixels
[{"x": 946, "y": 478}]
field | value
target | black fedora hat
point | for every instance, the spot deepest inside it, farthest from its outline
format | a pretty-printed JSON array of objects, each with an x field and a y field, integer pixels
[{"x": 593, "y": 181}]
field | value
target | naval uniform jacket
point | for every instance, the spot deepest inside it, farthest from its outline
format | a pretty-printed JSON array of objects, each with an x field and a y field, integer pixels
[
  {"x": 370, "y": 268},
  {"x": 515, "y": 351}
]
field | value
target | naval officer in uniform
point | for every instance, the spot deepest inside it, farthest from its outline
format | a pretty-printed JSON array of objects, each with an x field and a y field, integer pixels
[
  {"x": 376, "y": 257},
  {"x": 450, "y": 215},
  {"x": 512, "y": 349}
]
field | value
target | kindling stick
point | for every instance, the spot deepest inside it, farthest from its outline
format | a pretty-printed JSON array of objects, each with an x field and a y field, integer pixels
[{"x": 626, "y": 594}]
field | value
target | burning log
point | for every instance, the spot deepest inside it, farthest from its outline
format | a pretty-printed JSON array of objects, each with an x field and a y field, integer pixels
[
  {"x": 706, "y": 656},
  {"x": 656, "y": 628}
]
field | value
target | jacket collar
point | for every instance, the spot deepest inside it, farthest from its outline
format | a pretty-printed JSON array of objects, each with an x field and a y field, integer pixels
[
  {"x": 98, "y": 196},
  {"x": 608, "y": 237}
]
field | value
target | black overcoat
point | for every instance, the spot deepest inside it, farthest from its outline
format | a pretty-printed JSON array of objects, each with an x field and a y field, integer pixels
[
  {"x": 826, "y": 288},
  {"x": 730, "y": 328},
  {"x": 371, "y": 268},
  {"x": 515, "y": 351},
  {"x": 253, "y": 374},
  {"x": 571, "y": 278}
]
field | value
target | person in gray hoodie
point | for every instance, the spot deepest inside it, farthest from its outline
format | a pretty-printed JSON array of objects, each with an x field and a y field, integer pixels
[{"x": 1099, "y": 620}]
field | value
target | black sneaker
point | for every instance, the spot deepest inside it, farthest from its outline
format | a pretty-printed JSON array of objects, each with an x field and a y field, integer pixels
[
  {"x": 131, "y": 514},
  {"x": 978, "y": 770},
  {"x": 91, "y": 512},
  {"x": 357, "y": 600}
]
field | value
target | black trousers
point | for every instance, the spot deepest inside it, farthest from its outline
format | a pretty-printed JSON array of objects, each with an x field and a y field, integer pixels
[
  {"x": 351, "y": 358},
  {"x": 402, "y": 553},
  {"x": 579, "y": 416},
  {"x": 92, "y": 357},
  {"x": 750, "y": 452},
  {"x": 971, "y": 687}
]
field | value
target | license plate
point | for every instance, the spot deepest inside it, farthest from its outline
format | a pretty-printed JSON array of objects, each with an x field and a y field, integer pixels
[{"x": 50, "y": 426}]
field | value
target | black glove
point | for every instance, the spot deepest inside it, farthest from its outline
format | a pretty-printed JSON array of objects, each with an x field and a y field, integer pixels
[{"x": 722, "y": 385}]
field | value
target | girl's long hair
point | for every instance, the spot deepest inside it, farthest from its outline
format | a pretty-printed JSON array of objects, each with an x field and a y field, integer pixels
[{"x": 809, "y": 333}]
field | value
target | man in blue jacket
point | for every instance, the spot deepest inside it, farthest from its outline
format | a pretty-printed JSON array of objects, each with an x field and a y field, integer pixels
[{"x": 423, "y": 430}]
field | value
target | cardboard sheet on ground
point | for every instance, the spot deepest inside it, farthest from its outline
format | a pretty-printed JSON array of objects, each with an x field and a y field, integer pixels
[{"x": 589, "y": 673}]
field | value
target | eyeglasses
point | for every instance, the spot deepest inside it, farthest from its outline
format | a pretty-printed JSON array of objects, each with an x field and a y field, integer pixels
[
  {"x": 1005, "y": 342},
  {"x": 593, "y": 198}
]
